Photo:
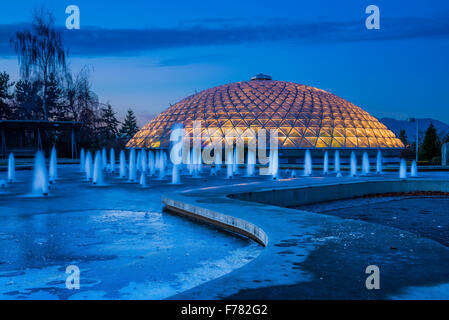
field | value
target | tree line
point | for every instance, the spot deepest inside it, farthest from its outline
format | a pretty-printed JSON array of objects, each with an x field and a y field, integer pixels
[
  {"x": 429, "y": 150},
  {"x": 49, "y": 90}
]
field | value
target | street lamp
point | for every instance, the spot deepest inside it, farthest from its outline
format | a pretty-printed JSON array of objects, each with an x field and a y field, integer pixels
[{"x": 417, "y": 136}]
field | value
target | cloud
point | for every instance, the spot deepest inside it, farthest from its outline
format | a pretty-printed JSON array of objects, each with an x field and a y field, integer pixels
[{"x": 94, "y": 41}]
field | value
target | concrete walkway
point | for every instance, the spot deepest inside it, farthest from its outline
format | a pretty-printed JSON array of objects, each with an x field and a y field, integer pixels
[{"x": 314, "y": 256}]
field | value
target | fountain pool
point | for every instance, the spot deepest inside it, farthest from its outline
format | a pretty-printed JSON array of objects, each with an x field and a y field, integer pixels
[
  {"x": 124, "y": 249},
  {"x": 424, "y": 215}
]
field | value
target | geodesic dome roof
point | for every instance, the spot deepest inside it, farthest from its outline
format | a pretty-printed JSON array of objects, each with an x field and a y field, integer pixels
[{"x": 305, "y": 117}]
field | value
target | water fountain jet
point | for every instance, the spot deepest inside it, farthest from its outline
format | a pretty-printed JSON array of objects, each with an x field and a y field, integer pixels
[
  {"x": 251, "y": 163},
  {"x": 275, "y": 166},
  {"x": 162, "y": 158},
  {"x": 195, "y": 163},
  {"x": 144, "y": 162},
  {"x": 40, "y": 176},
  {"x": 235, "y": 164},
  {"x": 307, "y": 163},
  {"x": 353, "y": 164},
  {"x": 151, "y": 163},
  {"x": 379, "y": 162},
  {"x": 97, "y": 178},
  {"x": 218, "y": 161},
  {"x": 157, "y": 160},
  {"x": 112, "y": 160},
  {"x": 89, "y": 166},
  {"x": 326, "y": 163},
  {"x": 132, "y": 165},
  {"x": 229, "y": 167},
  {"x": 189, "y": 159},
  {"x": 122, "y": 156},
  {"x": 11, "y": 168},
  {"x": 139, "y": 161},
  {"x": 365, "y": 163},
  {"x": 143, "y": 179},
  {"x": 403, "y": 169},
  {"x": 82, "y": 160},
  {"x": 53, "y": 170},
  {"x": 414, "y": 169},
  {"x": 104, "y": 158},
  {"x": 175, "y": 175},
  {"x": 337, "y": 168}
]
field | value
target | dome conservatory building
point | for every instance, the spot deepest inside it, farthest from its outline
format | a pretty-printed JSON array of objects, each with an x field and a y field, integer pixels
[{"x": 305, "y": 118}]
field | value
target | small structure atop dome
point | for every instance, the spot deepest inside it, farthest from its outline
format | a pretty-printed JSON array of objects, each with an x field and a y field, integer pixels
[{"x": 261, "y": 76}]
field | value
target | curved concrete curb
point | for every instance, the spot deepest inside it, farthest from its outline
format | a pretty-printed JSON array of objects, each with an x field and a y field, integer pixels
[
  {"x": 292, "y": 196},
  {"x": 224, "y": 221}
]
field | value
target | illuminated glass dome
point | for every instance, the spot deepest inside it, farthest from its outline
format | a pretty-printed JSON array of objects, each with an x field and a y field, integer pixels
[{"x": 305, "y": 117}]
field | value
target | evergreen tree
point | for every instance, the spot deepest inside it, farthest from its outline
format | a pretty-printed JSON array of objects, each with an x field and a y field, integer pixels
[
  {"x": 129, "y": 126},
  {"x": 403, "y": 137},
  {"x": 5, "y": 96},
  {"x": 431, "y": 146},
  {"x": 28, "y": 101},
  {"x": 109, "y": 129}
]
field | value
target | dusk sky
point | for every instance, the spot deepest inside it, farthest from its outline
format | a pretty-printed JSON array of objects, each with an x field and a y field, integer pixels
[{"x": 147, "y": 54}]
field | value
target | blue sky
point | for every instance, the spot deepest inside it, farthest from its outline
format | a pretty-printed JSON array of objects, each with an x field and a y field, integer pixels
[{"x": 147, "y": 54}]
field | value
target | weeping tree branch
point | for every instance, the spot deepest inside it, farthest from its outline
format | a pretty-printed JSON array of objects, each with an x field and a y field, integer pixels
[{"x": 40, "y": 50}]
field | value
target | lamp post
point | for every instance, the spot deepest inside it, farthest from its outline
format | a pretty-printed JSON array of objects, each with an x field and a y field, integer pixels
[{"x": 417, "y": 136}]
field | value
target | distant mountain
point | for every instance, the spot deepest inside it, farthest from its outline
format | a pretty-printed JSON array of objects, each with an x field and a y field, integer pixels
[{"x": 410, "y": 127}]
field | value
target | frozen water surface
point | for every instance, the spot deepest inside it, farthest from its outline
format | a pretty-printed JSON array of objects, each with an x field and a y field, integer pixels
[
  {"x": 125, "y": 247},
  {"x": 426, "y": 216}
]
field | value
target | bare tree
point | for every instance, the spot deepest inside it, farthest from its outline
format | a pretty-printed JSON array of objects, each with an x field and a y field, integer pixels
[
  {"x": 40, "y": 49},
  {"x": 80, "y": 98}
]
